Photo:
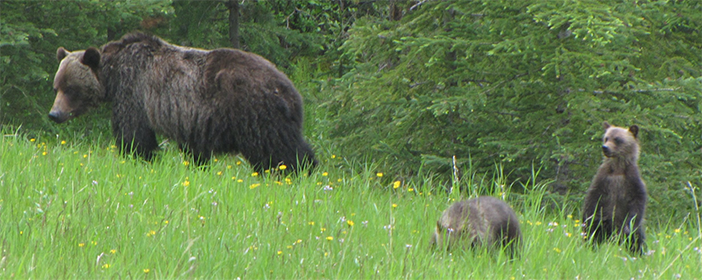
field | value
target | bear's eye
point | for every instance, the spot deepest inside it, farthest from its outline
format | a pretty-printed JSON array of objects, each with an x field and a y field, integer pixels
[
  {"x": 606, "y": 139},
  {"x": 618, "y": 141}
]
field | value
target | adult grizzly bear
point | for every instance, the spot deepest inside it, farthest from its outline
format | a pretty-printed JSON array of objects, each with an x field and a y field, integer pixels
[
  {"x": 482, "y": 221},
  {"x": 616, "y": 200},
  {"x": 217, "y": 101}
]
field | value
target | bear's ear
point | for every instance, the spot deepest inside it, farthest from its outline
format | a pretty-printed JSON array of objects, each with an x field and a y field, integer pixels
[
  {"x": 91, "y": 58},
  {"x": 61, "y": 53},
  {"x": 634, "y": 129},
  {"x": 606, "y": 125}
]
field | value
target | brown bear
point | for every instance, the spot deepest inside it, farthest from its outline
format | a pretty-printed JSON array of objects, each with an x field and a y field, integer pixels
[
  {"x": 482, "y": 221},
  {"x": 208, "y": 101},
  {"x": 616, "y": 200}
]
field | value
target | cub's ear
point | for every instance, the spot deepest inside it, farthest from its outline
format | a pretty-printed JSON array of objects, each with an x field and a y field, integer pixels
[
  {"x": 91, "y": 58},
  {"x": 61, "y": 53},
  {"x": 606, "y": 125},
  {"x": 634, "y": 129}
]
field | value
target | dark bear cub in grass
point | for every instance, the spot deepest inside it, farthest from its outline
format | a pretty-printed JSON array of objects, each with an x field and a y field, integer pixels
[
  {"x": 482, "y": 221},
  {"x": 616, "y": 200},
  {"x": 209, "y": 102}
]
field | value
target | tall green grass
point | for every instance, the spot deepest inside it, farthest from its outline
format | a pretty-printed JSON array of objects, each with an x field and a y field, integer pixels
[{"x": 79, "y": 210}]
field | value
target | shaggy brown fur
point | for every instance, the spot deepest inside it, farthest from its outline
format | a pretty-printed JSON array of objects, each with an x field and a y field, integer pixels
[
  {"x": 482, "y": 221},
  {"x": 616, "y": 200},
  {"x": 218, "y": 101}
]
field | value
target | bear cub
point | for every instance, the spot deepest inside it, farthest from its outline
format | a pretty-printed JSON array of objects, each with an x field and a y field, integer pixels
[
  {"x": 616, "y": 200},
  {"x": 482, "y": 221}
]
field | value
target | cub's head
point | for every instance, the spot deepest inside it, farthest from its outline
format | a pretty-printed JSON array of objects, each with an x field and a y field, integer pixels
[
  {"x": 619, "y": 142},
  {"x": 76, "y": 84}
]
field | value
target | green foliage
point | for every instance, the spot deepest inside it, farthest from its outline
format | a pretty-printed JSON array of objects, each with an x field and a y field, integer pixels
[{"x": 522, "y": 82}]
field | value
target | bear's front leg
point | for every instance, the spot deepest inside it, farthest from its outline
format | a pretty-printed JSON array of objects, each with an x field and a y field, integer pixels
[{"x": 133, "y": 137}]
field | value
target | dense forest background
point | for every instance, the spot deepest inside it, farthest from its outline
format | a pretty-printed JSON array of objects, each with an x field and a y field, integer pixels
[{"x": 453, "y": 89}]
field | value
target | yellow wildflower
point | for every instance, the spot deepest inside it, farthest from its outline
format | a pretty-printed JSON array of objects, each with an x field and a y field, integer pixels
[{"x": 396, "y": 184}]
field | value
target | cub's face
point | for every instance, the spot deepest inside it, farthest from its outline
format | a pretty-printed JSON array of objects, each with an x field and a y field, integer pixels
[
  {"x": 76, "y": 84},
  {"x": 619, "y": 142}
]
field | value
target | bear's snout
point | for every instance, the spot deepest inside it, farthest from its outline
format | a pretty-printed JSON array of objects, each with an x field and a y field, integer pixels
[
  {"x": 606, "y": 151},
  {"x": 57, "y": 116}
]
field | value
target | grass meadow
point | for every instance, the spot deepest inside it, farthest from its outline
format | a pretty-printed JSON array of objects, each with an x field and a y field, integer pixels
[{"x": 80, "y": 210}]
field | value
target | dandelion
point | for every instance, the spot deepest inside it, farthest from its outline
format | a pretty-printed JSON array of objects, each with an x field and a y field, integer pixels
[
  {"x": 32, "y": 140},
  {"x": 81, "y": 244},
  {"x": 299, "y": 241},
  {"x": 150, "y": 233},
  {"x": 240, "y": 181},
  {"x": 330, "y": 238},
  {"x": 394, "y": 205},
  {"x": 254, "y": 174},
  {"x": 219, "y": 173},
  {"x": 396, "y": 184},
  {"x": 569, "y": 216},
  {"x": 325, "y": 174},
  {"x": 113, "y": 251},
  {"x": 379, "y": 174},
  {"x": 323, "y": 229},
  {"x": 349, "y": 222},
  {"x": 311, "y": 223},
  {"x": 280, "y": 252},
  {"x": 146, "y": 270},
  {"x": 186, "y": 163},
  {"x": 165, "y": 222},
  {"x": 677, "y": 230},
  {"x": 63, "y": 142},
  {"x": 107, "y": 265},
  {"x": 186, "y": 183},
  {"x": 410, "y": 189},
  {"x": 282, "y": 167},
  {"x": 333, "y": 156},
  {"x": 229, "y": 167}
]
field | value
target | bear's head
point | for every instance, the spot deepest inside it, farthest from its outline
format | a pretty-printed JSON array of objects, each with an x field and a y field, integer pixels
[
  {"x": 76, "y": 84},
  {"x": 619, "y": 142}
]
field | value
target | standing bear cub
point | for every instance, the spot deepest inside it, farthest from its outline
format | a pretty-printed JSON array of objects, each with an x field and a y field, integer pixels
[
  {"x": 616, "y": 200},
  {"x": 209, "y": 102},
  {"x": 482, "y": 221}
]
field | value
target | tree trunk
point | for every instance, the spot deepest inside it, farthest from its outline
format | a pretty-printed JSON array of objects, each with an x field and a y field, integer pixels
[{"x": 233, "y": 6}]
